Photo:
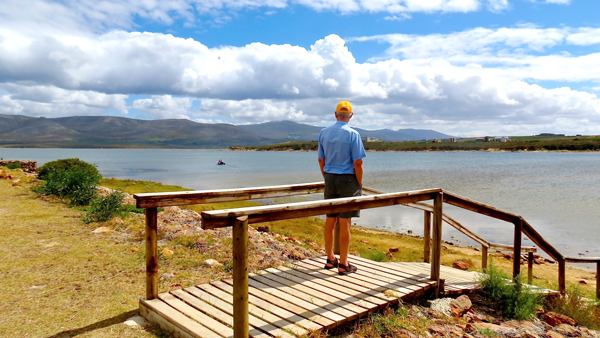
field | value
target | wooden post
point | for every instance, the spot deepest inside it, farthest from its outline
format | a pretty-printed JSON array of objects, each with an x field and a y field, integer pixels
[
  {"x": 427, "y": 238},
  {"x": 529, "y": 267},
  {"x": 562, "y": 285},
  {"x": 151, "y": 253},
  {"x": 240, "y": 277},
  {"x": 484, "y": 258},
  {"x": 336, "y": 237},
  {"x": 517, "y": 248},
  {"x": 598, "y": 280},
  {"x": 437, "y": 241}
]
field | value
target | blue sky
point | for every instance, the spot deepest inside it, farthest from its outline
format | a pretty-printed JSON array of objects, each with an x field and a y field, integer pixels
[{"x": 462, "y": 67}]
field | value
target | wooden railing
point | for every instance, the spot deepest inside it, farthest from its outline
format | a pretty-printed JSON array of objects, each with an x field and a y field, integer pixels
[{"x": 240, "y": 218}]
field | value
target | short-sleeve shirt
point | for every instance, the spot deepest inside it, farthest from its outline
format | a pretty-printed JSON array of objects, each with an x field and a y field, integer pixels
[{"x": 340, "y": 146}]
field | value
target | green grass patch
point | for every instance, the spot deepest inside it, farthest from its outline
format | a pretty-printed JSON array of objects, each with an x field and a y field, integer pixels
[{"x": 579, "y": 305}]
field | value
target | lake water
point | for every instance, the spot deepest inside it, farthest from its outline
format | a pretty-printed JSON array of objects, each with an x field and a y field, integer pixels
[{"x": 557, "y": 193}]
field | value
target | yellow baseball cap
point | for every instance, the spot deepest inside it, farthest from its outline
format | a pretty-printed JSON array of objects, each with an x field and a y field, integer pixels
[{"x": 344, "y": 107}]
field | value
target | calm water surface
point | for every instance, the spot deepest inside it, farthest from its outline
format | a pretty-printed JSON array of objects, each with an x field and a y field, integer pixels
[{"x": 557, "y": 193}]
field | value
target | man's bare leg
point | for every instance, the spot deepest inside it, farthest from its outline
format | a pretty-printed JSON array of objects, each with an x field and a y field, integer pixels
[
  {"x": 344, "y": 240},
  {"x": 328, "y": 235}
]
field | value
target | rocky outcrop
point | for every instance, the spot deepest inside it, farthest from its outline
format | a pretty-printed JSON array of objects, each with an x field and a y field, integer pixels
[{"x": 26, "y": 166}]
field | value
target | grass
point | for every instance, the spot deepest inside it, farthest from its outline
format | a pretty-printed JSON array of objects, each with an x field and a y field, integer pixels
[{"x": 523, "y": 143}]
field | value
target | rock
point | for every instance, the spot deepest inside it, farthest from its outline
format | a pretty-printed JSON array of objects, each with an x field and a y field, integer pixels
[
  {"x": 442, "y": 306},
  {"x": 293, "y": 253},
  {"x": 555, "y": 319},
  {"x": 582, "y": 282},
  {"x": 211, "y": 262},
  {"x": 102, "y": 230},
  {"x": 476, "y": 327},
  {"x": 460, "y": 306},
  {"x": 553, "y": 334},
  {"x": 136, "y": 321},
  {"x": 567, "y": 330},
  {"x": 166, "y": 275},
  {"x": 389, "y": 255},
  {"x": 549, "y": 261},
  {"x": 262, "y": 229},
  {"x": 393, "y": 249},
  {"x": 134, "y": 249},
  {"x": 167, "y": 252},
  {"x": 461, "y": 265},
  {"x": 438, "y": 330},
  {"x": 476, "y": 249}
]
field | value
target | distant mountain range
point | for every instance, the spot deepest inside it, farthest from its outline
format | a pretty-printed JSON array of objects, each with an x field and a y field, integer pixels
[{"x": 120, "y": 132}]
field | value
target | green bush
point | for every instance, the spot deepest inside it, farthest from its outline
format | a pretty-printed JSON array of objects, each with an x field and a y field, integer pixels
[
  {"x": 585, "y": 311},
  {"x": 104, "y": 208},
  {"x": 70, "y": 179},
  {"x": 514, "y": 299},
  {"x": 14, "y": 165}
]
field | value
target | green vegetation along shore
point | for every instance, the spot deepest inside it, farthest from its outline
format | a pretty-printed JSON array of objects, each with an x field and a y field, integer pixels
[{"x": 517, "y": 143}]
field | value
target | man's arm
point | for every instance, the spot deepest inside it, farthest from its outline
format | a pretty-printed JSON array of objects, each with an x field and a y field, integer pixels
[
  {"x": 322, "y": 165},
  {"x": 358, "y": 170}
]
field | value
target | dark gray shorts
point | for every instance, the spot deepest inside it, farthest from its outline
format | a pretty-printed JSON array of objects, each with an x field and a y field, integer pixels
[{"x": 342, "y": 185}]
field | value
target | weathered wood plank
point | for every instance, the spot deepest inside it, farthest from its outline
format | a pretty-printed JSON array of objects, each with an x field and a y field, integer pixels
[
  {"x": 218, "y": 218},
  {"x": 167, "y": 199},
  {"x": 343, "y": 307},
  {"x": 195, "y": 300},
  {"x": 427, "y": 236},
  {"x": 255, "y": 311},
  {"x": 257, "y": 323},
  {"x": 240, "y": 276},
  {"x": 258, "y": 290},
  {"x": 213, "y": 325},
  {"x": 518, "y": 236},
  {"x": 271, "y": 308},
  {"x": 316, "y": 305},
  {"x": 436, "y": 256},
  {"x": 159, "y": 312},
  {"x": 582, "y": 259}
]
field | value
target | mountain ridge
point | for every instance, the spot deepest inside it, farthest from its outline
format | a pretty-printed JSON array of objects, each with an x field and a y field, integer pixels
[{"x": 123, "y": 132}]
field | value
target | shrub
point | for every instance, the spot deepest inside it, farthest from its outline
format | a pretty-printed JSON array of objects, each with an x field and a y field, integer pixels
[
  {"x": 70, "y": 179},
  {"x": 514, "y": 299},
  {"x": 104, "y": 208},
  {"x": 14, "y": 165},
  {"x": 576, "y": 305},
  {"x": 373, "y": 254}
]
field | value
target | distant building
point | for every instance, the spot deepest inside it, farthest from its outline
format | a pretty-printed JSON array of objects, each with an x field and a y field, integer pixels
[
  {"x": 502, "y": 139},
  {"x": 452, "y": 140},
  {"x": 484, "y": 139},
  {"x": 436, "y": 141},
  {"x": 369, "y": 139}
]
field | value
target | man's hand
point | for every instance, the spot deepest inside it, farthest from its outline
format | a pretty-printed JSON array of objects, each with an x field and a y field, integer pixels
[
  {"x": 358, "y": 171},
  {"x": 322, "y": 165}
]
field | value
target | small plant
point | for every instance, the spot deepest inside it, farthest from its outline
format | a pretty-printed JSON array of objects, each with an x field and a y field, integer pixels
[
  {"x": 104, "y": 208},
  {"x": 14, "y": 165},
  {"x": 514, "y": 299},
  {"x": 585, "y": 311},
  {"x": 373, "y": 254},
  {"x": 70, "y": 179}
]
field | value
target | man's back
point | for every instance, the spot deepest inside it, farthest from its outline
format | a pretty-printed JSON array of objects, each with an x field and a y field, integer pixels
[{"x": 340, "y": 146}]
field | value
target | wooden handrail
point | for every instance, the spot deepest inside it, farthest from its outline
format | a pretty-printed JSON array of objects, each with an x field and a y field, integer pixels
[
  {"x": 219, "y": 218},
  {"x": 582, "y": 259},
  {"x": 181, "y": 198},
  {"x": 505, "y": 247}
]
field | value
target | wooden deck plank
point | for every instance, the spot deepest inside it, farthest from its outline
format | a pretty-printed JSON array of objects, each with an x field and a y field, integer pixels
[
  {"x": 390, "y": 290},
  {"x": 213, "y": 325},
  {"x": 257, "y": 312},
  {"x": 300, "y": 285},
  {"x": 338, "y": 287},
  {"x": 317, "y": 305},
  {"x": 255, "y": 323},
  {"x": 274, "y": 309},
  {"x": 156, "y": 309},
  {"x": 384, "y": 267},
  {"x": 345, "y": 281},
  {"x": 258, "y": 290},
  {"x": 385, "y": 284},
  {"x": 453, "y": 281}
]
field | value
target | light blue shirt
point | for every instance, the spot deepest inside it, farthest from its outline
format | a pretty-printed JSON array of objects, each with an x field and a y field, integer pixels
[{"x": 340, "y": 146}]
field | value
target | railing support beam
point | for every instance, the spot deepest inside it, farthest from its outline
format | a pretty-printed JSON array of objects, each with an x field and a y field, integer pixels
[
  {"x": 562, "y": 285},
  {"x": 437, "y": 241},
  {"x": 598, "y": 280},
  {"x": 529, "y": 267},
  {"x": 484, "y": 258},
  {"x": 427, "y": 237},
  {"x": 240, "y": 277},
  {"x": 517, "y": 248},
  {"x": 151, "y": 253}
]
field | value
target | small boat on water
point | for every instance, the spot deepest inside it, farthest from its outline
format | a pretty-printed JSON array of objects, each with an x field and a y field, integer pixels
[{"x": 220, "y": 162}]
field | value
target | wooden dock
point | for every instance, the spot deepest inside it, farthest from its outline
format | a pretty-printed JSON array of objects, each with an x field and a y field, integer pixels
[{"x": 292, "y": 301}]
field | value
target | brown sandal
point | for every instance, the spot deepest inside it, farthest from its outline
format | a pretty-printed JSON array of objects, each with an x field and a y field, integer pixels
[
  {"x": 333, "y": 262},
  {"x": 348, "y": 269}
]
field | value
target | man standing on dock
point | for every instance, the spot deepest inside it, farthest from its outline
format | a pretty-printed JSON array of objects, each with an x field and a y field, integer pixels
[{"x": 340, "y": 157}]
